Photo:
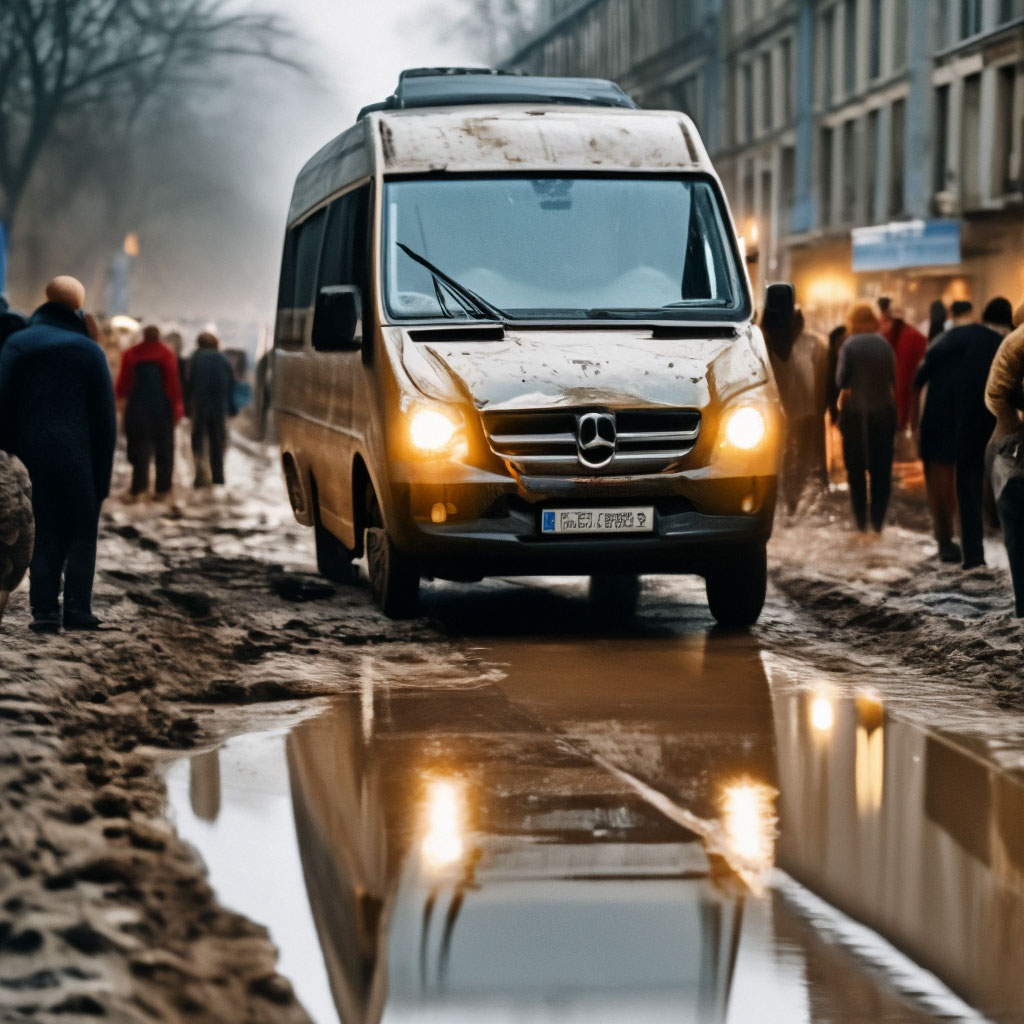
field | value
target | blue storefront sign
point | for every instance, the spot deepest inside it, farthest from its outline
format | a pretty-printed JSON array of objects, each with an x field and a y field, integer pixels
[{"x": 905, "y": 244}]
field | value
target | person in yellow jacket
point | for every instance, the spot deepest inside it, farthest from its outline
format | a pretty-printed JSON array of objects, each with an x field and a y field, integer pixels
[{"x": 1004, "y": 396}]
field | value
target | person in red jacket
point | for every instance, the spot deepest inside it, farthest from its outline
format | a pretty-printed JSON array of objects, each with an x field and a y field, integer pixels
[
  {"x": 148, "y": 383},
  {"x": 910, "y": 345}
]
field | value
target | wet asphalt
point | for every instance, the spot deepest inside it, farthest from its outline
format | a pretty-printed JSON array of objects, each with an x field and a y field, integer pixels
[{"x": 655, "y": 822}]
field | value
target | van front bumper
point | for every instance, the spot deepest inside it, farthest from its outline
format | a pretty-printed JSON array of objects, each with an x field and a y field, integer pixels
[{"x": 495, "y": 531}]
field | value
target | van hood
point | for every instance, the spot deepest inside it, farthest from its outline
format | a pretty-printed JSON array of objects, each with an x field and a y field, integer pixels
[{"x": 614, "y": 369}]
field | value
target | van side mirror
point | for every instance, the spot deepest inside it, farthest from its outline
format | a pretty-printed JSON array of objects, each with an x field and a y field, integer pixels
[
  {"x": 779, "y": 322},
  {"x": 338, "y": 319}
]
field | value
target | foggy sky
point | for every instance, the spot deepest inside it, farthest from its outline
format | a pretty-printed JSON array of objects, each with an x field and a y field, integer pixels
[
  {"x": 212, "y": 172},
  {"x": 356, "y": 49}
]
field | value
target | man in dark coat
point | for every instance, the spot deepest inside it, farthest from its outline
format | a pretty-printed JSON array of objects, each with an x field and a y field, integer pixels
[
  {"x": 210, "y": 400},
  {"x": 957, "y": 366},
  {"x": 57, "y": 415}
]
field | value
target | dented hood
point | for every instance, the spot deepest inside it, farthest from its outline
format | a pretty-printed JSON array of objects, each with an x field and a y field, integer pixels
[{"x": 614, "y": 369}]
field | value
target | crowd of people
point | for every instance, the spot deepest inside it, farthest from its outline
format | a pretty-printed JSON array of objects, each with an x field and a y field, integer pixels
[
  {"x": 959, "y": 392},
  {"x": 59, "y": 416}
]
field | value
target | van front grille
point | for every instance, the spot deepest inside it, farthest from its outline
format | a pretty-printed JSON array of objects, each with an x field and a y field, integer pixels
[{"x": 645, "y": 441}]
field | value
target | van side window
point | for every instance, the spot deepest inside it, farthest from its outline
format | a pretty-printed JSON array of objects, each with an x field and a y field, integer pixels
[
  {"x": 307, "y": 258},
  {"x": 283, "y": 329},
  {"x": 346, "y": 246},
  {"x": 298, "y": 279}
]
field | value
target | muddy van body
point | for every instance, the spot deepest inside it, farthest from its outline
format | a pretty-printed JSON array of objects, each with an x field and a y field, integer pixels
[{"x": 515, "y": 337}]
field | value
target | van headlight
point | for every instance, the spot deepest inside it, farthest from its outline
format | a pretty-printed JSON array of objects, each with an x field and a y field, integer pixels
[
  {"x": 746, "y": 428},
  {"x": 431, "y": 430}
]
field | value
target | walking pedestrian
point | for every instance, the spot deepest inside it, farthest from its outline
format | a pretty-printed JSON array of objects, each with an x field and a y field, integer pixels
[
  {"x": 937, "y": 315},
  {"x": 148, "y": 384},
  {"x": 57, "y": 415},
  {"x": 866, "y": 377},
  {"x": 1004, "y": 396},
  {"x": 956, "y": 370},
  {"x": 935, "y": 426},
  {"x": 961, "y": 314},
  {"x": 909, "y": 346},
  {"x": 9, "y": 321},
  {"x": 211, "y": 400},
  {"x": 801, "y": 372}
]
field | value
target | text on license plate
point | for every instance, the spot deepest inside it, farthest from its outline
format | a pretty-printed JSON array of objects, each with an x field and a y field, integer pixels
[{"x": 597, "y": 520}]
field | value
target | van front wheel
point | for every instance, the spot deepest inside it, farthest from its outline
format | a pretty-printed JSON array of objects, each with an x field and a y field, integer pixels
[
  {"x": 394, "y": 578},
  {"x": 737, "y": 587}
]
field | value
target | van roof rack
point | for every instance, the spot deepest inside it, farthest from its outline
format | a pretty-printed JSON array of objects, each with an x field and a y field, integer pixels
[{"x": 456, "y": 87}]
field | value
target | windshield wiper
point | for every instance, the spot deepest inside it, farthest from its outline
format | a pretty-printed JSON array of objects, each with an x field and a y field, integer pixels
[{"x": 469, "y": 300}]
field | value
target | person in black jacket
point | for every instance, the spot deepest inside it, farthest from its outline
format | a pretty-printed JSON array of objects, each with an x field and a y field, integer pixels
[
  {"x": 956, "y": 367},
  {"x": 57, "y": 415},
  {"x": 210, "y": 398},
  {"x": 9, "y": 321}
]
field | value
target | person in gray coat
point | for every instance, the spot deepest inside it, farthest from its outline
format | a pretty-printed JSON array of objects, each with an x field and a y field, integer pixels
[
  {"x": 866, "y": 378},
  {"x": 210, "y": 401}
]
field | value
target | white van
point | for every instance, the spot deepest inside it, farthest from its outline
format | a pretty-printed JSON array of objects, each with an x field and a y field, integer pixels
[{"x": 515, "y": 336}]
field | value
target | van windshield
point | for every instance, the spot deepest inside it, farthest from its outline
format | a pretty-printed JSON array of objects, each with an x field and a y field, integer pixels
[{"x": 558, "y": 248}]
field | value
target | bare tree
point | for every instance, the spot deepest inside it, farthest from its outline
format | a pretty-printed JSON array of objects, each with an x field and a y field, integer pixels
[
  {"x": 498, "y": 26},
  {"x": 61, "y": 59}
]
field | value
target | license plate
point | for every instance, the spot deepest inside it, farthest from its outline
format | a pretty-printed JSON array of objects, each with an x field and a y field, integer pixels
[{"x": 597, "y": 520}]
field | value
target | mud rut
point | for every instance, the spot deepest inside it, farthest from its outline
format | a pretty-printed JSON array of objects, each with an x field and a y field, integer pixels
[{"x": 105, "y": 913}]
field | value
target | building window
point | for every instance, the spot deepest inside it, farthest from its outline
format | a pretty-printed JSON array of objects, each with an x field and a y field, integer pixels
[
  {"x": 850, "y": 37},
  {"x": 1010, "y": 9},
  {"x": 875, "y": 40},
  {"x": 828, "y": 48},
  {"x": 767, "y": 120},
  {"x": 825, "y": 175},
  {"x": 970, "y": 143},
  {"x": 851, "y": 172},
  {"x": 898, "y": 158},
  {"x": 901, "y": 34},
  {"x": 871, "y": 154},
  {"x": 748, "y": 101},
  {"x": 787, "y": 190},
  {"x": 786, "y": 70},
  {"x": 685, "y": 95},
  {"x": 941, "y": 154},
  {"x": 1008, "y": 132},
  {"x": 970, "y": 18}
]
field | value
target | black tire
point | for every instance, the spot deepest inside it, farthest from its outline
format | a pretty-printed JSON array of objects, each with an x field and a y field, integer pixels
[
  {"x": 394, "y": 578},
  {"x": 333, "y": 559},
  {"x": 614, "y": 598},
  {"x": 737, "y": 587}
]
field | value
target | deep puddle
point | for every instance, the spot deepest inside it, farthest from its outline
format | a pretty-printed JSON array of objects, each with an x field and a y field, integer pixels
[{"x": 491, "y": 853}]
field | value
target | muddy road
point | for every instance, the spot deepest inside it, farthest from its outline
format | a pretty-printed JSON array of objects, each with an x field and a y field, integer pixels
[{"x": 255, "y": 799}]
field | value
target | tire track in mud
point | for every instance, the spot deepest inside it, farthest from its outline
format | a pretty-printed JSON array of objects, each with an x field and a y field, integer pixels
[
  {"x": 105, "y": 912},
  {"x": 895, "y": 604}
]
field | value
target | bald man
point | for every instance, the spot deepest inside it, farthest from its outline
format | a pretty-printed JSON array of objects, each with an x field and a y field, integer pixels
[{"x": 57, "y": 415}]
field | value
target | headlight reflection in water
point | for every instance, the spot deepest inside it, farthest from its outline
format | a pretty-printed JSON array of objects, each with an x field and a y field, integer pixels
[
  {"x": 749, "y": 823},
  {"x": 443, "y": 841}
]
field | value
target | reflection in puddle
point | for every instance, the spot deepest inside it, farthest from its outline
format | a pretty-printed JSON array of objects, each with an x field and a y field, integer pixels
[
  {"x": 823, "y": 714},
  {"x": 443, "y": 843},
  {"x": 748, "y": 820},
  {"x": 457, "y": 855}
]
